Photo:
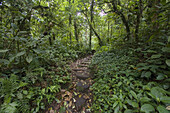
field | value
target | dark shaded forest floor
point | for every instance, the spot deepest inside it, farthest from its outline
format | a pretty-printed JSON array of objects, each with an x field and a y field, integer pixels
[{"x": 75, "y": 97}]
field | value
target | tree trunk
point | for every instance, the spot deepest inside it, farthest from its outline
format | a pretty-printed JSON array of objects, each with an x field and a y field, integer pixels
[
  {"x": 75, "y": 31},
  {"x": 125, "y": 22},
  {"x": 100, "y": 41},
  {"x": 111, "y": 32},
  {"x": 70, "y": 24},
  {"x": 86, "y": 35},
  {"x": 53, "y": 36},
  {"x": 139, "y": 13},
  {"x": 90, "y": 25},
  {"x": 126, "y": 25},
  {"x": 108, "y": 35},
  {"x": 91, "y": 20},
  {"x": 155, "y": 16}
]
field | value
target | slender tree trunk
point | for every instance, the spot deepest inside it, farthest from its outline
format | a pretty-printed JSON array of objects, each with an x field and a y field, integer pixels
[
  {"x": 53, "y": 36},
  {"x": 99, "y": 29},
  {"x": 155, "y": 16},
  {"x": 91, "y": 20},
  {"x": 125, "y": 22},
  {"x": 108, "y": 37},
  {"x": 139, "y": 13},
  {"x": 86, "y": 32},
  {"x": 70, "y": 28},
  {"x": 126, "y": 25},
  {"x": 50, "y": 41},
  {"x": 75, "y": 30},
  {"x": 90, "y": 25},
  {"x": 137, "y": 27},
  {"x": 70, "y": 24},
  {"x": 111, "y": 32},
  {"x": 97, "y": 35}
]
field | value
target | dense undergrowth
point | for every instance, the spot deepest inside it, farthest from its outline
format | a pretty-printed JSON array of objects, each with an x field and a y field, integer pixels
[
  {"x": 30, "y": 79},
  {"x": 34, "y": 53},
  {"x": 132, "y": 79}
]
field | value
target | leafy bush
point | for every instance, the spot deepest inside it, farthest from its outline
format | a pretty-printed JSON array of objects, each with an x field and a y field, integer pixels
[
  {"x": 34, "y": 91},
  {"x": 120, "y": 85}
]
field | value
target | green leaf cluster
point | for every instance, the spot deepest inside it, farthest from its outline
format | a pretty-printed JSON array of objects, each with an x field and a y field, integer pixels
[{"x": 122, "y": 84}]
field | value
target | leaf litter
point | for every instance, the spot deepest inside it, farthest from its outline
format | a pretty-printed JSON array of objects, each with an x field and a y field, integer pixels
[{"x": 76, "y": 98}]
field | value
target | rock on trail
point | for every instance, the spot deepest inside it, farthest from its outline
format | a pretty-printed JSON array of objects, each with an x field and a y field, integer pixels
[{"x": 77, "y": 98}]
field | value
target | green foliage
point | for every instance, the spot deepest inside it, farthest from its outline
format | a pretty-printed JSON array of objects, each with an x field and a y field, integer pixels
[
  {"x": 40, "y": 87},
  {"x": 34, "y": 52},
  {"x": 147, "y": 108},
  {"x": 153, "y": 64},
  {"x": 12, "y": 96},
  {"x": 131, "y": 69},
  {"x": 125, "y": 82}
]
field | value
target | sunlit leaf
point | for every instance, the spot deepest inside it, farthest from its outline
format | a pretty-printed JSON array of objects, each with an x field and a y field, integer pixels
[
  {"x": 3, "y": 51},
  {"x": 168, "y": 62},
  {"x": 128, "y": 111},
  {"x": 20, "y": 54},
  {"x": 147, "y": 108},
  {"x": 19, "y": 95},
  {"x": 162, "y": 109},
  {"x": 29, "y": 58},
  {"x": 156, "y": 56},
  {"x": 165, "y": 99},
  {"x": 133, "y": 94},
  {"x": 145, "y": 99},
  {"x": 115, "y": 104},
  {"x": 156, "y": 92}
]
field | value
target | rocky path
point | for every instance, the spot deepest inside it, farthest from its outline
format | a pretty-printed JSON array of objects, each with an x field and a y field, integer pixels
[{"x": 77, "y": 97}]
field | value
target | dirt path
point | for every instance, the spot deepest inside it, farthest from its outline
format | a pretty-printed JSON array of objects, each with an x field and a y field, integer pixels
[{"x": 76, "y": 97}]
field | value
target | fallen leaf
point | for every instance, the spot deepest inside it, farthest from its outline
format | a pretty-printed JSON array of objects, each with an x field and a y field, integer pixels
[
  {"x": 74, "y": 100},
  {"x": 70, "y": 104},
  {"x": 73, "y": 107},
  {"x": 63, "y": 90},
  {"x": 50, "y": 108},
  {"x": 86, "y": 96},
  {"x": 67, "y": 93},
  {"x": 67, "y": 99},
  {"x": 168, "y": 107},
  {"x": 75, "y": 93},
  {"x": 52, "y": 111}
]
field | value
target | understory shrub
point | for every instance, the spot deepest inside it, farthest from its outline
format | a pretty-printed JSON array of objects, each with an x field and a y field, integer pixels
[{"x": 131, "y": 80}]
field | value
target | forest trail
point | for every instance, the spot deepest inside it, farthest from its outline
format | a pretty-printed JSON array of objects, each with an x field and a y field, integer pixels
[{"x": 77, "y": 96}]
